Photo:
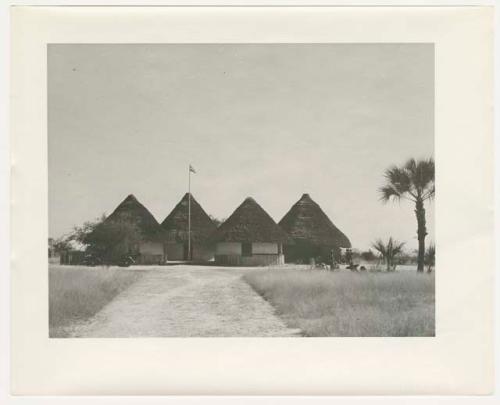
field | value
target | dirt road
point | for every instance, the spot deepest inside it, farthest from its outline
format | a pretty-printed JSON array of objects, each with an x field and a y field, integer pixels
[{"x": 187, "y": 301}]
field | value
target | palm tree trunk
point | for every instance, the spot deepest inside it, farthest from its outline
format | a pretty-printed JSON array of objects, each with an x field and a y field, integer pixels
[{"x": 421, "y": 233}]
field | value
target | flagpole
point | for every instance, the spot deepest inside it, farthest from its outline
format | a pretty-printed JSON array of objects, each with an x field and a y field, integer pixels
[{"x": 189, "y": 213}]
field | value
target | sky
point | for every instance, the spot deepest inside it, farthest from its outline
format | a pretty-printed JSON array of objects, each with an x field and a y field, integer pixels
[{"x": 271, "y": 121}]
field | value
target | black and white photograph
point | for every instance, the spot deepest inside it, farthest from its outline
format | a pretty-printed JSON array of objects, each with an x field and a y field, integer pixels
[
  {"x": 239, "y": 203},
  {"x": 241, "y": 190}
]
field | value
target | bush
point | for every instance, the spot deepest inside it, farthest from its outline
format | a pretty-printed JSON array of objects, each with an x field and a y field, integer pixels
[{"x": 111, "y": 241}]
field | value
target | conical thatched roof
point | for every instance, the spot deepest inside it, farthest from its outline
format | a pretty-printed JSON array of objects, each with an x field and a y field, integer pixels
[
  {"x": 176, "y": 223},
  {"x": 131, "y": 210},
  {"x": 306, "y": 221},
  {"x": 250, "y": 223}
]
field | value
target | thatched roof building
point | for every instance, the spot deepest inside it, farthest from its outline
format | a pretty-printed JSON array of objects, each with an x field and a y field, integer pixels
[
  {"x": 250, "y": 237},
  {"x": 313, "y": 232},
  {"x": 250, "y": 223},
  {"x": 176, "y": 223},
  {"x": 150, "y": 250},
  {"x": 203, "y": 228},
  {"x": 131, "y": 210}
]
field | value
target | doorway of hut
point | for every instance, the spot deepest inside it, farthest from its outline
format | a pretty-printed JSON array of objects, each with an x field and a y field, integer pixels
[{"x": 185, "y": 252}]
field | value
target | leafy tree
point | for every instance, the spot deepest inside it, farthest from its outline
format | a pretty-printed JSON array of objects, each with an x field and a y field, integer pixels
[
  {"x": 107, "y": 241},
  {"x": 80, "y": 233},
  {"x": 368, "y": 255},
  {"x": 217, "y": 221},
  {"x": 414, "y": 181},
  {"x": 389, "y": 251},
  {"x": 61, "y": 244},
  {"x": 408, "y": 257},
  {"x": 430, "y": 257},
  {"x": 110, "y": 241}
]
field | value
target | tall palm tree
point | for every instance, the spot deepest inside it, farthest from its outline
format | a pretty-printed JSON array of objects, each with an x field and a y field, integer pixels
[
  {"x": 389, "y": 251},
  {"x": 414, "y": 181}
]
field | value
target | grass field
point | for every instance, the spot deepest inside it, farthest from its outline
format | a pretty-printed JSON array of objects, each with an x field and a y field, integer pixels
[
  {"x": 350, "y": 304},
  {"x": 76, "y": 294}
]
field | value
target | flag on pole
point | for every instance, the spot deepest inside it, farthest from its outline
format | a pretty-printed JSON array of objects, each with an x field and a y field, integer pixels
[{"x": 191, "y": 169}]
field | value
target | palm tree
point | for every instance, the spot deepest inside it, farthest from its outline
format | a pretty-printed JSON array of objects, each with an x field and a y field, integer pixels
[
  {"x": 414, "y": 181},
  {"x": 388, "y": 250}
]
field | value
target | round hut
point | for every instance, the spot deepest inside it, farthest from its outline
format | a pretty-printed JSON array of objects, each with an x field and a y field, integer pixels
[
  {"x": 250, "y": 237},
  {"x": 150, "y": 249},
  {"x": 314, "y": 234},
  {"x": 202, "y": 230}
]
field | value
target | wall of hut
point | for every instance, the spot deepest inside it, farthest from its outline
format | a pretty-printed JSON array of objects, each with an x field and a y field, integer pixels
[
  {"x": 260, "y": 254},
  {"x": 304, "y": 251},
  {"x": 199, "y": 251}
]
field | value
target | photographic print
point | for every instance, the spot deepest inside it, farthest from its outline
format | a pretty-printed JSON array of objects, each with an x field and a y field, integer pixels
[{"x": 241, "y": 190}]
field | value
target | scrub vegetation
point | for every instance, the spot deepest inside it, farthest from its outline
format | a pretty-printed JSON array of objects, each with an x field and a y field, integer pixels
[
  {"x": 77, "y": 294},
  {"x": 347, "y": 303}
]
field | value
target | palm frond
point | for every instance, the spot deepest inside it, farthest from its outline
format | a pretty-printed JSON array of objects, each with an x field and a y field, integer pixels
[
  {"x": 397, "y": 186},
  {"x": 399, "y": 179},
  {"x": 390, "y": 249},
  {"x": 414, "y": 180},
  {"x": 410, "y": 166},
  {"x": 424, "y": 175},
  {"x": 389, "y": 192},
  {"x": 397, "y": 247},
  {"x": 380, "y": 247},
  {"x": 430, "y": 192}
]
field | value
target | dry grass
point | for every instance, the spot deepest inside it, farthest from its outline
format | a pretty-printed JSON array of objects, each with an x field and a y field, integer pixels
[
  {"x": 76, "y": 294},
  {"x": 350, "y": 304}
]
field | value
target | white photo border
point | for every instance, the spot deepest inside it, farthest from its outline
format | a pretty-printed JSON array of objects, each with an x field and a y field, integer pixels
[{"x": 460, "y": 357}]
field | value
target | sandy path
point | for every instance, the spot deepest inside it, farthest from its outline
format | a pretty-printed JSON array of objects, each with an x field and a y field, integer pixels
[{"x": 187, "y": 301}]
